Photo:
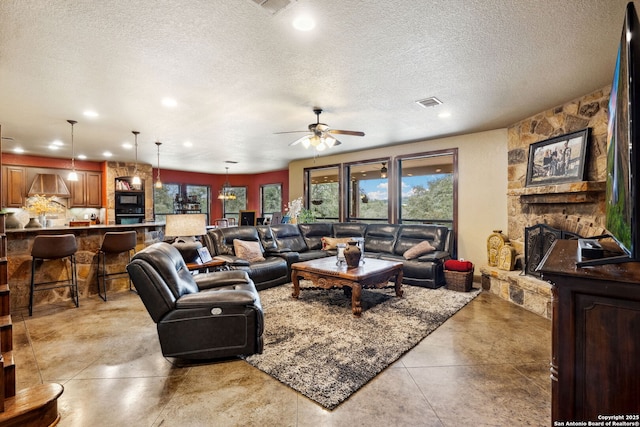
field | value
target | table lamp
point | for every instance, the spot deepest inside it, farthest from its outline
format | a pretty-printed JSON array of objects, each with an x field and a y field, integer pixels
[{"x": 184, "y": 227}]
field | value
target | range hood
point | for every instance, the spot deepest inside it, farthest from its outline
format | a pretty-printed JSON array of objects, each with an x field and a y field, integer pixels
[{"x": 48, "y": 184}]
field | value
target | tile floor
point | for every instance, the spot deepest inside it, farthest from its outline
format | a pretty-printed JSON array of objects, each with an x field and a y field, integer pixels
[{"x": 486, "y": 366}]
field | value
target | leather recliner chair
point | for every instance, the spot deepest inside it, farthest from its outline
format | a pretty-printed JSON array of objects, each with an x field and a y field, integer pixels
[{"x": 205, "y": 316}]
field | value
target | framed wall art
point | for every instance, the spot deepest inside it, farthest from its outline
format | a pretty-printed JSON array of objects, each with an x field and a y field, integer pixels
[{"x": 559, "y": 159}]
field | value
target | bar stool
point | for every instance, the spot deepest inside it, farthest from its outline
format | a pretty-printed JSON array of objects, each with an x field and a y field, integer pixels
[
  {"x": 50, "y": 248},
  {"x": 114, "y": 243}
]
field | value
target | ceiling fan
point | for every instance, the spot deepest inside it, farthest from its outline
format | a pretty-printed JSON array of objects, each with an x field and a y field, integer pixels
[{"x": 321, "y": 135}]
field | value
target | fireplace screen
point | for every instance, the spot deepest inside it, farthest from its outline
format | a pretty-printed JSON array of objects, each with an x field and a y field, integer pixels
[{"x": 538, "y": 239}]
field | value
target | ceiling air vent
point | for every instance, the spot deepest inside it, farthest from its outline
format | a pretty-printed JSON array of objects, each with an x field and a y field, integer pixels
[
  {"x": 273, "y": 6},
  {"x": 429, "y": 102}
]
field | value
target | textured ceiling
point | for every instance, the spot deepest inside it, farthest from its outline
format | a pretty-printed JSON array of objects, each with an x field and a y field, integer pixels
[{"x": 240, "y": 73}]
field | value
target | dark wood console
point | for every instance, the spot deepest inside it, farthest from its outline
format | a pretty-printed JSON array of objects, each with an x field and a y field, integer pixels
[{"x": 595, "y": 360}]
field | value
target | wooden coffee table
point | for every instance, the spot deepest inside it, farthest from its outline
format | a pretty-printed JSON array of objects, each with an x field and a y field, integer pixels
[{"x": 324, "y": 273}]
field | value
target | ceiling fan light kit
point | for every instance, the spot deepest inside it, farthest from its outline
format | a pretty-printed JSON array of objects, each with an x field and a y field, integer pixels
[{"x": 320, "y": 137}]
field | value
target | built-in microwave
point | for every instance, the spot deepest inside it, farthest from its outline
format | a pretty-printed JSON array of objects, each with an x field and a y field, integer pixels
[{"x": 129, "y": 199}]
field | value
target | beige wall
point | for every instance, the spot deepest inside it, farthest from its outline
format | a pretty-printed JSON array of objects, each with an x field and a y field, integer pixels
[{"x": 482, "y": 183}]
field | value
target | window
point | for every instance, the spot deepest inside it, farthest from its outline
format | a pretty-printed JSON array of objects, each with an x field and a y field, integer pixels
[
  {"x": 427, "y": 188},
  {"x": 180, "y": 198},
  {"x": 232, "y": 207},
  {"x": 163, "y": 200},
  {"x": 323, "y": 193},
  {"x": 368, "y": 193},
  {"x": 270, "y": 198}
]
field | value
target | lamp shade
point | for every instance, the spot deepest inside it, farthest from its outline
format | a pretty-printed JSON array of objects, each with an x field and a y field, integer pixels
[{"x": 179, "y": 225}]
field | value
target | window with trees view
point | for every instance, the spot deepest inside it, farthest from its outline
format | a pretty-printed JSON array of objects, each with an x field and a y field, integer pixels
[
  {"x": 418, "y": 188},
  {"x": 271, "y": 198},
  {"x": 323, "y": 193},
  {"x": 165, "y": 199},
  {"x": 368, "y": 193},
  {"x": 232, "y": 207},
  {"x": 427, "y": 188}
]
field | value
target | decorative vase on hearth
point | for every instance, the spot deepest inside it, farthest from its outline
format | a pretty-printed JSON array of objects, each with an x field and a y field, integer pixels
[
  {"x": 495, "y": 241},
  {"x": 352, "y": 254},
  {"x": 11, "y": 221},
  {"x": 507, "y": 257}
]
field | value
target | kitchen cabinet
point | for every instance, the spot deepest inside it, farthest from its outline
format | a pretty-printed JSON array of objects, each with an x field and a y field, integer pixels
[
  {"x": 14, "y": 186},
  {"x": 86, "y": 192}
]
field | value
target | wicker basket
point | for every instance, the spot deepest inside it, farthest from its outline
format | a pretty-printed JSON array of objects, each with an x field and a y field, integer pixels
[{"x": 460, "y": 281}]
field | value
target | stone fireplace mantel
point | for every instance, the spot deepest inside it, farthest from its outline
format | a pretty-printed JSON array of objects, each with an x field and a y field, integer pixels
[{"x": 573, "y": 192}]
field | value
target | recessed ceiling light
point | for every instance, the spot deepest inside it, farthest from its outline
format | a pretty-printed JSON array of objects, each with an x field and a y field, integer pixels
[
  {"x": 187, "y": 144},
  {"x": 107, "y": 154},
  {"x": 444, "y": 115},
  {"x": 18, "y": 150},
  {"x": 53, "y": 147},
  {"x": 169, "y": 102},
  {"x": 127, "y": 145},
  {"x": 82, "y": 156},
  {"x": 90, "y": 113},
  {"x": 57, "y": 143},
  {"x": 304, "y": 23}
]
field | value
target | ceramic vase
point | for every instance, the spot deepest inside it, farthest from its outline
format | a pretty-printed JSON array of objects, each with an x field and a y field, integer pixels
[
  {"x": 11, "y": 221},
  {"x": 33, "y": 223},
  {"x": 495, "y": 241},
  {"x": 352, "y": 255}
]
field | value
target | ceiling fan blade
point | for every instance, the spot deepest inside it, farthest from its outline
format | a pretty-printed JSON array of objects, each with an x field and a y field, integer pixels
[
  {"x": 346, "y": 132},
  {"x": 297, "y": 141},
  {"x": 291, "y": 131}
]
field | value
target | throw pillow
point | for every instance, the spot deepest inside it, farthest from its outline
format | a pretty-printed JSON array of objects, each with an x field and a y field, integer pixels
[
  {"x": 455, "y": 265},
  {"x": 329, "y": 243},
  {"x": 420, "y": 249},
  {"x": 248, "y": 250}
]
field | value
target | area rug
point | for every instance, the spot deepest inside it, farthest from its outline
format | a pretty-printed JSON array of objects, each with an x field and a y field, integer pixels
[{"x": 316, "y": 346}]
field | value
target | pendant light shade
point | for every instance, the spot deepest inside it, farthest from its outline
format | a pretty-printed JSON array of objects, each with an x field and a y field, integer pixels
[
  {"x": 136, "y": 178},
  {"x": 226, "y": 193},
  {"x": 73, "y": 175},
  {"x": 158, "y": 183},
  {"x": 383, "y": 170}
]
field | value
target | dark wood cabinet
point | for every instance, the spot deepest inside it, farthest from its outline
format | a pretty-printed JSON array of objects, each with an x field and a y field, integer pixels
[
  {"x": 595, "y": 361},
  {"x": 14, "y": 186},
  {"x": 86, "y": 191}
]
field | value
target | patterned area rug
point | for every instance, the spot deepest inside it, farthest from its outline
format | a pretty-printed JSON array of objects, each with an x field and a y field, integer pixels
[{"x": 316, "y": 346}]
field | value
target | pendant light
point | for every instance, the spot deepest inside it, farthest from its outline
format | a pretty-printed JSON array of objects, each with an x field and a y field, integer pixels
[
  {"x": 73, "y": 175},
  {"x": 136, "y": 179},
  {"x": 383, "y": 171},
  {"x": 226, "y": 193},
  {"x": 158, "y": 183}
]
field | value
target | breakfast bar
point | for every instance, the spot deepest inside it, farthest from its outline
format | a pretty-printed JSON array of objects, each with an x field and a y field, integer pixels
[{"x": 20, "y": 241}]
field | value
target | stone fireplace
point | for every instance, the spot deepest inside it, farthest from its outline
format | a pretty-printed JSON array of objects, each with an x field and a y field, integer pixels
[{"x": 576, "y": 207}]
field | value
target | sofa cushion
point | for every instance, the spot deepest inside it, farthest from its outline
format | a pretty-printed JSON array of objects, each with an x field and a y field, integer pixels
[
  {"x": 251, "y": 251},
  {"x": 410, "y": 235},
  {"x": 421, "y": 248},
  {"x": 288, "y": 236},
  {"x": 313, "y": 233},
  {"x": 329, "y": 243},
  {"x": 380, "y": 237},
  {"x": 349, "y": 229}
]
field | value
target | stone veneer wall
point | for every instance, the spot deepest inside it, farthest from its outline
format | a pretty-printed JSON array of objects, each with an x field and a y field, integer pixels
[
  {"x": 589, "y": 111},
  {"x": 577, "y": 207},
  {"x": 119, "y": 169}
]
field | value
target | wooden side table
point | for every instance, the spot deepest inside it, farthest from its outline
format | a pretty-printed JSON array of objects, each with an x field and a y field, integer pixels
[{"x": 214, "y": 265}]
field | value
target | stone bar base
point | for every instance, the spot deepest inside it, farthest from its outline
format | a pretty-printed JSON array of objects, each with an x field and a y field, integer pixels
[
  {"x": 528, "y": 292},
  {"x": 88, "y": 239}
]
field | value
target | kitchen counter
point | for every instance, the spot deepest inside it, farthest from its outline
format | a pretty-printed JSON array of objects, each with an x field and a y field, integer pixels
[
  {"x": 103, "y": 227},
  {"x": 89, "y": 238}
]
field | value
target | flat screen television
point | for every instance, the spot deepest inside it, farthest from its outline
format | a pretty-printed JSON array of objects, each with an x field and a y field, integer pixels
[{"x": 623, "y": 148}]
